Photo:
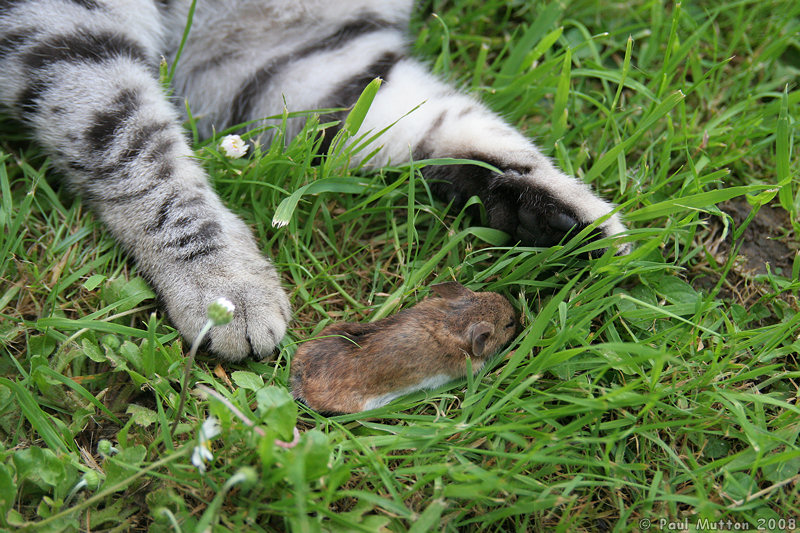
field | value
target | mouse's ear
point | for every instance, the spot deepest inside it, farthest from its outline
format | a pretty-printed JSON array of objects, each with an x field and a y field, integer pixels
[
  {"x": 477, "y": 334},
  {"x": 451, "y": 290}
]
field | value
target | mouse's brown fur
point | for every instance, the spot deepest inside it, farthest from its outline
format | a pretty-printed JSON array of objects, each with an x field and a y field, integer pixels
[{"x": 351, "y": 367}]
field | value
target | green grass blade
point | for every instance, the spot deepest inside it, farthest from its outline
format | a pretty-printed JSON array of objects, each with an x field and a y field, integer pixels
[
  {"x": 82, "y": 392},
  {"x": 657, "y": 113},
  {"x": 699, "y": 201},
  {"x": 544, "y": 20},
  {"x": 356, "y": 117},
  {"x": 560, "y": 114},
  {"x": 783, "y": 153},
  {"x": 37, "y": 418},
  {"x": 285, "y": 210}
]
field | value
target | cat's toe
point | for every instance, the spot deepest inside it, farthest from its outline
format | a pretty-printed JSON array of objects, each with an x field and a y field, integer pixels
[{"x": 267, "y": 324}]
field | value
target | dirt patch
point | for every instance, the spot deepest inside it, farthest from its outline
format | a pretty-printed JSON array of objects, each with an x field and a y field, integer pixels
[{"x": 767, "y": 239}]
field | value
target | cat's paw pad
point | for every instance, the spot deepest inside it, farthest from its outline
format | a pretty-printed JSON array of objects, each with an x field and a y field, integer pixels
[{"x": 544, "y": 228}]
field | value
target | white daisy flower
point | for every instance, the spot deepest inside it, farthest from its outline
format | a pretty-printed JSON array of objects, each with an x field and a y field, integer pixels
[
  {"x": 233, "y": 146},
  {"x": 202, "y": 452}
]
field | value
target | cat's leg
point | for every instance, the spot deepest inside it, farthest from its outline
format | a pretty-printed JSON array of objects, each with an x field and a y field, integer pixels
[
  {"x": 315, "y": 55},
  {"x": 85, "y": 79}
]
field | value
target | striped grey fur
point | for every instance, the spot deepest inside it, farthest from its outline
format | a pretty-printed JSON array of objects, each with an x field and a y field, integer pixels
[{"x": 83, "y": 74}]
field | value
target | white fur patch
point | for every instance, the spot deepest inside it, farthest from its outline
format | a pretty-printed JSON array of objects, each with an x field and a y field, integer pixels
[{"x": 427, "y": 383}]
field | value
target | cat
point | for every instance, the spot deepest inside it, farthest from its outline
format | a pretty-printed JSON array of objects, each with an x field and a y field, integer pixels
[{"x": 83, "y": 75}]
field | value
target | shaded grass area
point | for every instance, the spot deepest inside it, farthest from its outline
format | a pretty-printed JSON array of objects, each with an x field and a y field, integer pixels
[{"x": 635, "y": 390}]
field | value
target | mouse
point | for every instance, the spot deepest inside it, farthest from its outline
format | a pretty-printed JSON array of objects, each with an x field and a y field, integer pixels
[{"x": 353, "y": 367}]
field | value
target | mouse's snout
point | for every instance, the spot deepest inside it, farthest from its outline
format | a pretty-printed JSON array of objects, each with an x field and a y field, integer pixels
[{"x": 509, "y": 324}]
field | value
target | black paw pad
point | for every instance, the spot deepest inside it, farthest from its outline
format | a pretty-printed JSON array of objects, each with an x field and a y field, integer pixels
[
  {"x": 544, "y": 227},
  {"x": 561, "y": 222}
]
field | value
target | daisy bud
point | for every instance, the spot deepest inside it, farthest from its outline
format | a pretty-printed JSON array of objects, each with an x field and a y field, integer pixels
[{"x": 220, "y": 312}]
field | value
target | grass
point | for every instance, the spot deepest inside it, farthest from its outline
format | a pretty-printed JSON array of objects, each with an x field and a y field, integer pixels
[{"x": 661, "y": 385}]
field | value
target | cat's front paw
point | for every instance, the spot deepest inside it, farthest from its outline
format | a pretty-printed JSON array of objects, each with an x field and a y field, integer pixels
[
  {"x": 260, "y": 317},
  {"x": 532, "y": 201}
]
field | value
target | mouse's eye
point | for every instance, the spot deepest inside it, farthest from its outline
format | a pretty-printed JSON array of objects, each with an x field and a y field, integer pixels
[{"x": 510, "y": 324}]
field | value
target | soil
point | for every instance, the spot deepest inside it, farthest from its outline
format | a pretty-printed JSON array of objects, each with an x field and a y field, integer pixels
[
  {"x": 768, "y": 240},
  {"x": 764, "y": 241}
]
